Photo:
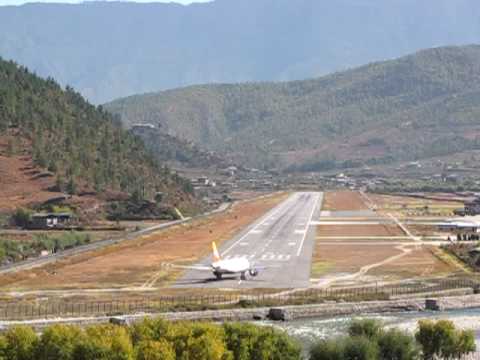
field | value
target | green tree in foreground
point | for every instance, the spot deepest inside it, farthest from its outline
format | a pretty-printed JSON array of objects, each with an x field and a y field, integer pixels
[
  {"x": 368, "y": 340},
  {"x": 20, "y": 343},
  {"x": 442, "y": 340},
  {"x": 369, "y": 328},
  {"x": 59, "y": 342},
  {"x": 395, "y": 344},
  {"x": 155, "y": 350}
]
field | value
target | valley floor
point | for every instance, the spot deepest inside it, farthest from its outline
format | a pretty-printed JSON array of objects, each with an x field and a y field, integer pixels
[{"x": 317, "y": 240}]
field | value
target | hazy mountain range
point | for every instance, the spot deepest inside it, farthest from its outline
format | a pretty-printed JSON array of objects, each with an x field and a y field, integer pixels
[
  {"x": 419, "y": 106},
  {"x": 108, "y": 50}
]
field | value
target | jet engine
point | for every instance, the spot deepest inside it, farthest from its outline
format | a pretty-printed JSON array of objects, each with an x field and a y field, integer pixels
[{"x": 253, "y": 272}]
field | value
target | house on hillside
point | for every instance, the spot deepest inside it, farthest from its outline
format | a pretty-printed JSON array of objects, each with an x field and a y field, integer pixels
[{"x": 50, "y": 220}]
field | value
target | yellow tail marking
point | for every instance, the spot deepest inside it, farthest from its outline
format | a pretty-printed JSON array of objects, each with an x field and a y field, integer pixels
[{"x": 216, "y": 255}]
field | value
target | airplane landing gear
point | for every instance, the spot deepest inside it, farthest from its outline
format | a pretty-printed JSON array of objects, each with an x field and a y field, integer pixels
[
  {"x": 243, "y": 276},
  {"x": 218, "y": 276}
]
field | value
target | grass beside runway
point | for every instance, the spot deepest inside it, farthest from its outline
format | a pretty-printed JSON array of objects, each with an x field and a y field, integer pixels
[
  {"x": 341, "y": 258},
  {"x": 320, "y": 268},
  {"x": 139, "y": 262}
]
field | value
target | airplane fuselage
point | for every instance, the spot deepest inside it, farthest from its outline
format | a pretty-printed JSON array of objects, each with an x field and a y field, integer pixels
[{"x": 231, "y": 266}]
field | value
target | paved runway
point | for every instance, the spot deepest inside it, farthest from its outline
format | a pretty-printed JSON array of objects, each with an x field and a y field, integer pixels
[{"x": 281, "y": 240}]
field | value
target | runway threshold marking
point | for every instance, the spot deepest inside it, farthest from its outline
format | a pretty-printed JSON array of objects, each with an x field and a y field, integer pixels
[
  {"x": 268, "y": 217},
  {"x": 308, "y": 224}
]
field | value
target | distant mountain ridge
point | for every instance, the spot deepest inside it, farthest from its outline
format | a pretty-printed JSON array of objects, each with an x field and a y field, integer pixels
[
  {"x": 419, "y": 106},
  {"x": 108, "y": 50}
]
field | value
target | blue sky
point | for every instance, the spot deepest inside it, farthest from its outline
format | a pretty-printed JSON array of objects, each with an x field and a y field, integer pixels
[{"x": 19, "y": 2}]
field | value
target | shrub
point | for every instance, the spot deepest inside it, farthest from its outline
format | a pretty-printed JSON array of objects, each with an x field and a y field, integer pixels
[
  {"x": 105, "y": 342},
  {"x": 442, "y": 339},
  {"x": 198, "y": 341},
  {"x": 59, "y": 342},
  {"x": 3, "y": 348},
  {"x": 367, "y": 340},
  {"x": 241, "y": 338},
  {"x": 247, "y": 341},
  {"x": 328, "y": 350},
  {"x": 360, "y": 348},
  {"x": 21, "y": 342},
  {"x": 149, "y": 329},
  {"x": 22, "y": 217},
  {"x": 398, "y": 345},
  {"x": 275, "y": 345},
  {"x": 155, "y": 350},
  {"x": 369, "y": 328},
  {"x": 346, "y": 348}
]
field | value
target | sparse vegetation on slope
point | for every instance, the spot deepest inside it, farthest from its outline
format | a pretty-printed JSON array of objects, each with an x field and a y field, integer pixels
[
  {"x": 418, "y": 106},
  {"x": 177, "y": 152},
  {"x": 82, "y": 145}
]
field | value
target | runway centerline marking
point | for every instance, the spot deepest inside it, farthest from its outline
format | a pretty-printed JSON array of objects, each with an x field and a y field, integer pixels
[
  {"x": 267, "y": 218},
  {"x": 308, "y": 224}
]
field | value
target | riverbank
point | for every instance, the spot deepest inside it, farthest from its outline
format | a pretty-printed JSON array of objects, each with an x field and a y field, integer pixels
[{"x": 287, "y": 313}]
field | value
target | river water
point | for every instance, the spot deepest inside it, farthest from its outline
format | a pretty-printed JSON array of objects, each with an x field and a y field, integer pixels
[{"x": 309, "y": 330}]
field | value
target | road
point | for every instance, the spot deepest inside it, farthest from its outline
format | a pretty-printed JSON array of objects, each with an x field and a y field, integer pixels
[
  {"x": 282, "y": 240},
  {"x": 52, "y": 258}
]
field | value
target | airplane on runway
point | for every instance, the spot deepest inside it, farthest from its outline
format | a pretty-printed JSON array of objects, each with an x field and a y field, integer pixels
[{"x": 220, "y": 267}]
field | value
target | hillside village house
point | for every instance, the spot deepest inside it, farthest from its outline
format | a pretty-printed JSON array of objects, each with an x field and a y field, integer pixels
[{"x": 50, "y": 220}]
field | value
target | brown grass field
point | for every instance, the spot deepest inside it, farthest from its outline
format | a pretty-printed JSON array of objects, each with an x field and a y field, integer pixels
[
  {"x": 370, "y": 257},
  {"x": 412, "y": 207},
  {"x": 343, "y": 200},
  {"x": 359, "y": 230},
  {"x": 422, "y": 261},
  {"x": 137, "y": 262}
]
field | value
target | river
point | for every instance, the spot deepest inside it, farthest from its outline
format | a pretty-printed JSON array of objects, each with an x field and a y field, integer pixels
[{"x": 309, "y": 330}]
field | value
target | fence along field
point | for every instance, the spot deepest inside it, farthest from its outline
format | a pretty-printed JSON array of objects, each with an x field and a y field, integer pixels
[{"x": 23, "y": 310}]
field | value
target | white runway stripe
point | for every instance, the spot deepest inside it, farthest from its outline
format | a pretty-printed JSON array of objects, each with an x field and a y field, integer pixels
[{"x": 320, "y": 223}]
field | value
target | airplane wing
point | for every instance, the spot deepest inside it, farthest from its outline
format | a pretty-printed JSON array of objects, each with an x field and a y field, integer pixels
[
  {"x": 264, "y": 267},
  {"x": 186, "y": 267}
]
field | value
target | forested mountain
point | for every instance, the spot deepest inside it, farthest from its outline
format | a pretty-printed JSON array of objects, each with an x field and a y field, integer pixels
[
  {"x": 79, "y": 143},
  {"x": 423, "y": 105},
  {"x": 109, "y": 49},
  {"x": 176, "y": 152}
]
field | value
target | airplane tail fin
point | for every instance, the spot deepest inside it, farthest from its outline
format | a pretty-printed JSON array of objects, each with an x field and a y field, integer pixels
[{"x": 216, "y": 255}]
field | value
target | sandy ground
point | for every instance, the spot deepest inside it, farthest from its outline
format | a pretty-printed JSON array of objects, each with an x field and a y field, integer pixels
[{"x": 138, "y": 263}]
